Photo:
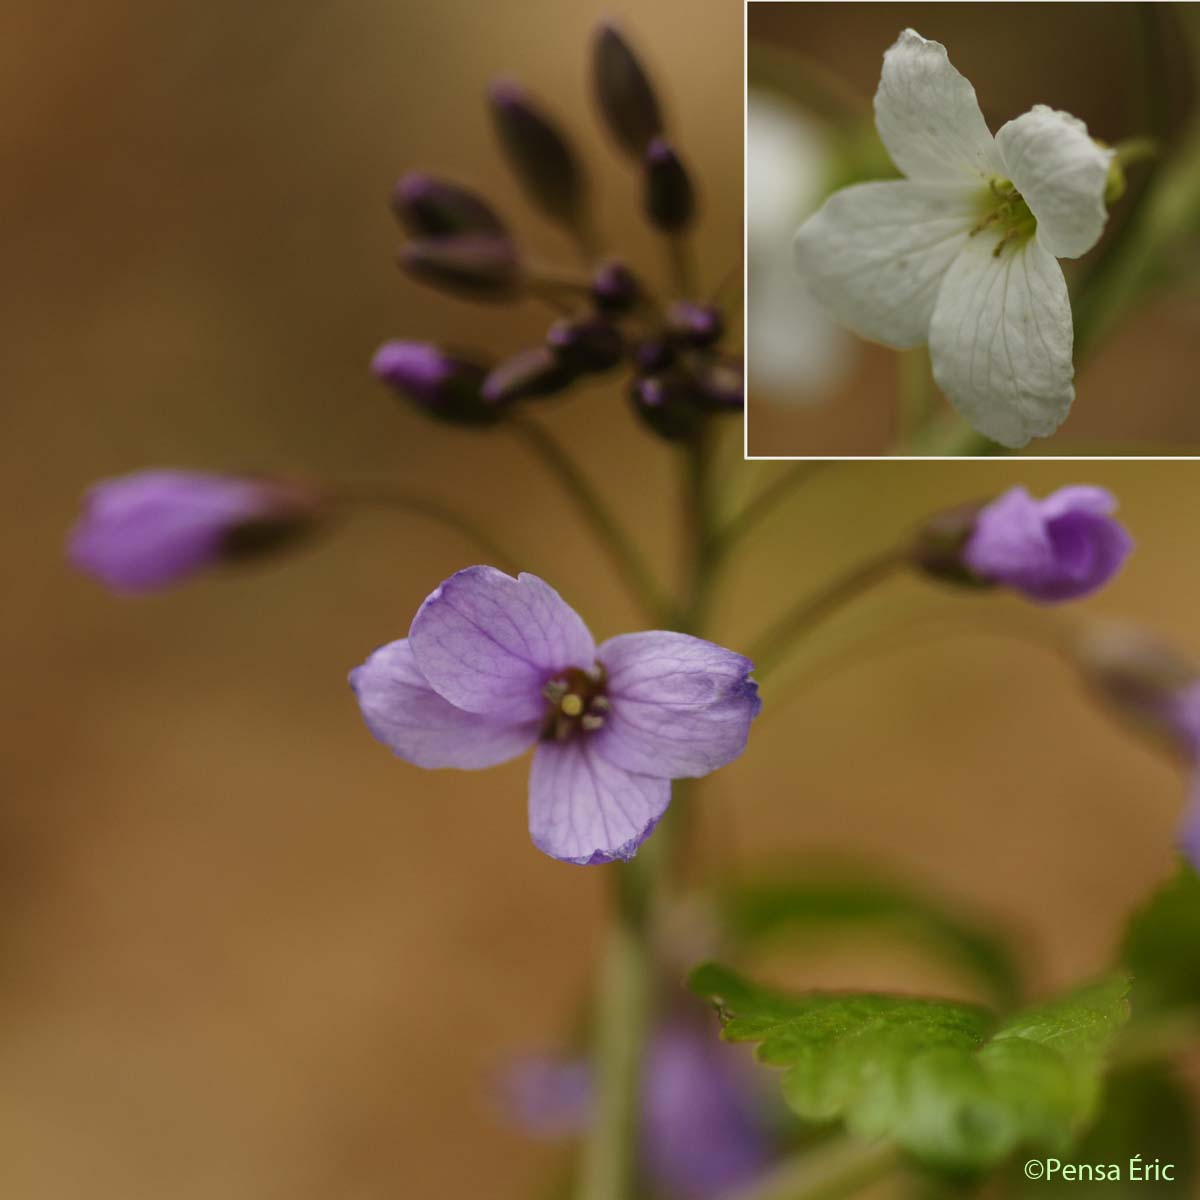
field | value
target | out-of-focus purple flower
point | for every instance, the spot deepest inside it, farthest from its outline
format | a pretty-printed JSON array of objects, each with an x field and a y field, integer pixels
[
  {"x": 443, "y": 385},
  {"x": 668, "y": 403},
  {"x": 151, "y": 529},
  {"x": 431, "y": 207},
  {"x": 1059, "y": 548},
  {"x": 703, "y": 1130},
  {"x": 670, "y": 199},
  {"x": 586, "y": 344},
  {"x": 494, "y": 665}
]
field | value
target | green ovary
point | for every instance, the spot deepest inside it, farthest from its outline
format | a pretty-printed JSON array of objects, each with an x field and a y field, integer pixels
[{"x": 1004, "y": 210}]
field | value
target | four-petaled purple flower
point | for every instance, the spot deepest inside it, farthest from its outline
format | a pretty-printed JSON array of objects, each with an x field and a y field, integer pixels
[
  {"x": 1050, "y": 550},
  {"x": 493, "y": 665},
  {"x": 151, "y": 529}
]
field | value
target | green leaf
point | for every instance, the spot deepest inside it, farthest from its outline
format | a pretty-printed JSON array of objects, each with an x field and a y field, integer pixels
[
  {"x": 761, "y": 910},
  {"x": 941, "y": 1078},
  {"x": 1162, "y": 948}
]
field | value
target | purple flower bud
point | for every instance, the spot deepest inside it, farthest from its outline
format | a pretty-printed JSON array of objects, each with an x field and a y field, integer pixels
[
  {"x": 615, "y": 288},
  {"x": 670, "y": 199},
  {"x": 586, "y": 344},
  {"x": 623, "y": 92},
  {"x": 1145, "y": 682},
  {"x": 653, "y": 356},
  {"x": 668, "y": 404},
  {"x": 696, "y": 324},
  {"x": 538, "y": 152},
  {"x": 443, "y": 385},
  {"x": 535, "y": 372},
  {"x": 477, "y": 265},
  {"x": 151, "y": 529},
  {"x": 1050, "y": 550},
  {"x": 430, "y": 207},
  {"x": 721, "y": 385}
]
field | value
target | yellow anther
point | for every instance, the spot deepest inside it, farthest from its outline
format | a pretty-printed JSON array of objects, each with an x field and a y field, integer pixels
[{"x": 571, "y": 704}]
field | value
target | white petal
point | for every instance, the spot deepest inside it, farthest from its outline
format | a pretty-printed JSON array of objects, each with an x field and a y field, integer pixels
[
  {"x": 928, "y": 117},
  {"x": 1000, "y": 341},
  {"x": 875, "y": 253},
  {"x": 1062, "y": 175}
]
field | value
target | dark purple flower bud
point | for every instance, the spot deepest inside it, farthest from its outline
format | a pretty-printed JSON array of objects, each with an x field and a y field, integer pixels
[
  {"x": 623, "y": 92},
  {"x": 669, "y": 197},
  {"x": 938, "y": 547},
  {"x": 1050, "y": 550},
  {"x": 151, "y": 529},
  {"x": 1145, "y": 682},
  {"x": 653, "y": 356},
  {"x": 535, "y": 372},
  {"x": 668, "y": 404},
  {"x": 443, "y": 385},
  {"x": 721, "y": 385},
  {"x": 477, "y": 265},
  {"x": 615, "y": 288},
  {"x": 430, "y": 207},
  {"x": 540, "y": 155},
  {"x": 586, "y": 344},
  {"x": 696, "y": 324}
]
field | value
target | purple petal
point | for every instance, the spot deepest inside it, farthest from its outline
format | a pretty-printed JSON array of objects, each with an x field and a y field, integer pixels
[
  {"x": 408, "y": 716},
  {"x": 1189, "y": 829},
  {"x": 150, "y": 529},
  {"x": 1055, "y": 549},
  {"x": 547, "y": 1096},
  {"x": 488, "y": 643},
  {"x": 702, "y": 1132},
  {"x": 583, "y": 809},
  {"x": 681, "y": 706}
]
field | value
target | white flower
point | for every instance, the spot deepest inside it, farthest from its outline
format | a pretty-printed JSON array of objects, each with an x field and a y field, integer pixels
[
  {"x": 963, "y": 252},
  {"x": 796, "y": 352}
]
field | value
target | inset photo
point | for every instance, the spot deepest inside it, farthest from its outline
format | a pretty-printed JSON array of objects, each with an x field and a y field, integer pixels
[{"x": 972, "y": 230}]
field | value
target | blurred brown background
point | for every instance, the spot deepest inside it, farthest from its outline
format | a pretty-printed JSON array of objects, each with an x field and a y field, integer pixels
[
  {"x": 1136, "y": 394},
  {"x": 247, "y": 954}
]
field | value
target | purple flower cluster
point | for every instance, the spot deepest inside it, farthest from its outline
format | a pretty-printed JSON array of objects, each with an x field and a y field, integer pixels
[
  {"x": 494, "y": 665},
  {"x": 609, "y": 317},
  {"x": 146, "y": 531},
  {"x": 703, "y": 1126}
]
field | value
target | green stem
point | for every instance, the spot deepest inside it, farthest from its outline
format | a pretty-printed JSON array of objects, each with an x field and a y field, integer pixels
[
  {"x": 761, "y": 505},
  {"x": 624, "y": 554},
  {"x": 433, "y": 510},
  {"x": 682, "y": 266},
  {"x": 838, "y": 1170},
  {"x": 771, "y": 648}
]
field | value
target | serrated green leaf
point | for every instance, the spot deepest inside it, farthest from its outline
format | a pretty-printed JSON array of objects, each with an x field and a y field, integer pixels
[
  {"x": 814, "y": 899},
  {"x": 945, "y": 1080},
  {"x": 1162, "y": 948}
]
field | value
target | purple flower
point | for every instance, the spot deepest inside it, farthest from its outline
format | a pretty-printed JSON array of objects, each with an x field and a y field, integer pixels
[
  {"x": 1059, "y": 548},
  {"x": 151, "y": 529},
  {"x": 703, "y": 1127},
  {"x": 493, "y": 665}
]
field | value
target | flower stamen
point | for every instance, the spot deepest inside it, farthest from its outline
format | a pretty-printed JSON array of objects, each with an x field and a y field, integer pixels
[{"x": 576, "y": 704}]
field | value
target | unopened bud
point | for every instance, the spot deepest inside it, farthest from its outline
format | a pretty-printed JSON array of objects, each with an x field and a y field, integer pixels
[
  {"x": 535, "y": 372},
  {"x": 669, "y": 197},
  {"x": 538, "y": 152},
  {"x": 482, "y": 266},
  {"x": 653, "y": 356},
  {"x": 430, "y": 207},
  {"x": 720, "y": 385},
  {"x": 668, "y": 404},
  {"x": 1145, "y": 682},
  {"x": 614, "y": 288},
  {"x": 696, "y": 324},
  {"x": 586, "y": 344},
  {"x": 623, "y": 92},
  {"x": 438, "y": 383}
]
